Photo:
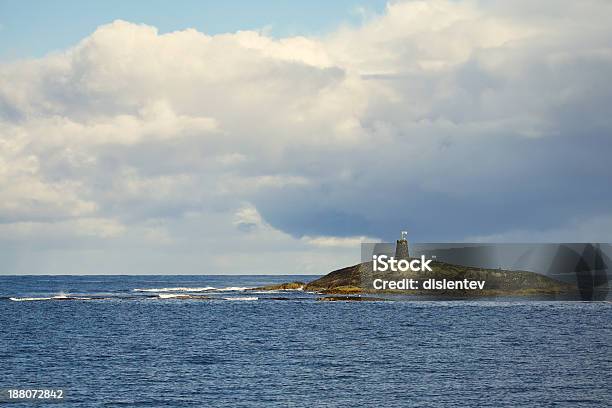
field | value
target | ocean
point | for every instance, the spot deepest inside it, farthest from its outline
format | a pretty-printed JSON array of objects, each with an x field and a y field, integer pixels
[{"x": 138, "y": 341}]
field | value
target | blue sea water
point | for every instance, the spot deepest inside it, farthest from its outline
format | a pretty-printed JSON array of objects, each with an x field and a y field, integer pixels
[{"x": 128, "y": 342}]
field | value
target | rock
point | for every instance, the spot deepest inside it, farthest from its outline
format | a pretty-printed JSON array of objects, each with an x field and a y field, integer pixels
[
  {"x": 358, "y": 279},
  {"x": 282, "y": 286},
  {"x": 343, "y": 290}
]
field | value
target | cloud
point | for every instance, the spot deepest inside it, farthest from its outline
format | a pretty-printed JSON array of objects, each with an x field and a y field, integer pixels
[
  {"x": 333, "y": 242},
  {"x": 452, "y": 119},
  {"x": 248, "y": 219},
  {"x": 592, "y": 229},
  {"x": 30, "y": 231}
]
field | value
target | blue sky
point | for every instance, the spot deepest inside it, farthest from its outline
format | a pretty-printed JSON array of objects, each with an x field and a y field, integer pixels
[
  {"x": 158, "y": 138},
  {"x": 34, "y": 28}
]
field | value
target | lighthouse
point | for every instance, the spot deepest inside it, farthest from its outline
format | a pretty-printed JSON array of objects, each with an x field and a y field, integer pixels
[{"x": 401, "y": 247}]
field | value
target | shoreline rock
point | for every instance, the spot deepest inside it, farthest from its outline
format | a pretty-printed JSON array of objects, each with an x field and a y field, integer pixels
[{"x": 297, "y": 285}]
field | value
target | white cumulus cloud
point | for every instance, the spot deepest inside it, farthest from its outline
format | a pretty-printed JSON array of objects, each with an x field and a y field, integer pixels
[{"x": 454, "y": 119}]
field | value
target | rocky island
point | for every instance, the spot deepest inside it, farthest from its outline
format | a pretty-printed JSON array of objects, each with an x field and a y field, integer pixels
[
  {"x": 440, "y": 279},
  {"x": 360, "y": 278}
]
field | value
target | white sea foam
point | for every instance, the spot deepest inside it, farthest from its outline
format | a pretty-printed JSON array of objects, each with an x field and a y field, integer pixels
[
  {"x": 241, "y": 298},
  {"x": 179, "y": 289},
  {"x": 29, "y": 299},
  {"x": 173, "y": 296},
  {"x": 58, "y": 297},
  {"x": 196, "y": 289}
]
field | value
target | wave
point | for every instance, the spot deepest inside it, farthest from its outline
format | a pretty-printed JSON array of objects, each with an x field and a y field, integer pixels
[
  {"x": 173, "y": 296},
  {"x": 28, "y": 299},
  {"x": 58, "y": 297},
  {"x": 196, "y": 289},
  {"x": 179, "y": 289}
]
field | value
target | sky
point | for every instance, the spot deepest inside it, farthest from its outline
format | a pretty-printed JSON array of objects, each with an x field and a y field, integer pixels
[
  {"x": 35, "y": 28},
  {"x": 274, "y": 137}
]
